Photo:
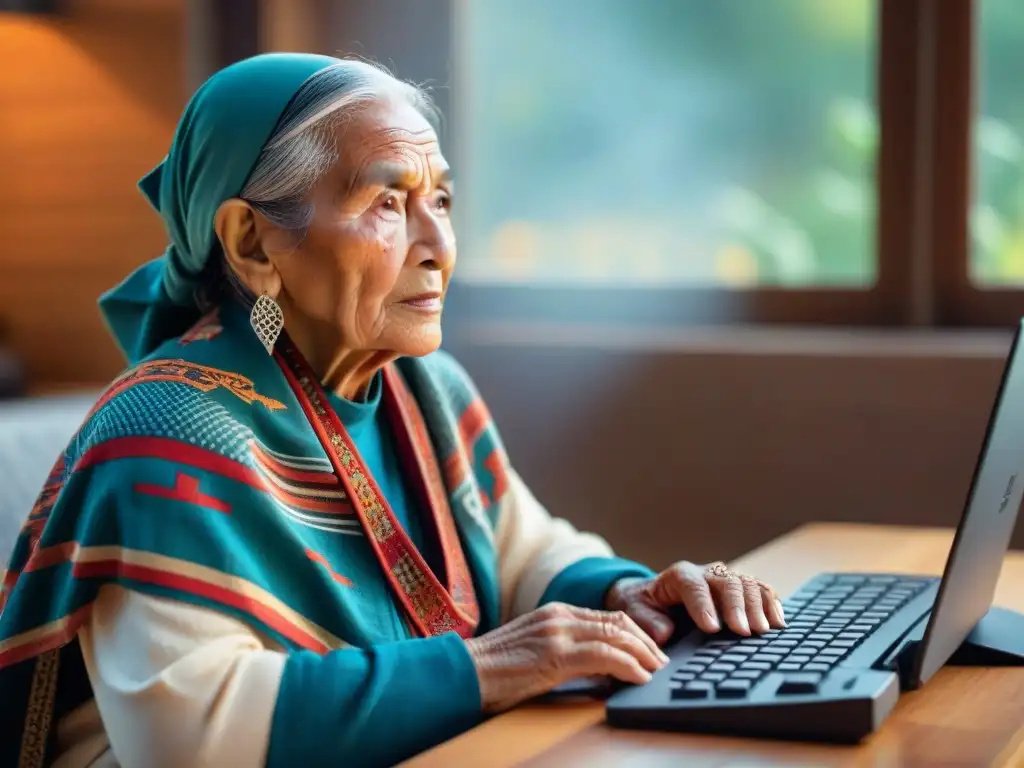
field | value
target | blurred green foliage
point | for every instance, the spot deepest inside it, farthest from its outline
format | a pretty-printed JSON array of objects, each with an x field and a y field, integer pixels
[{"x": 729, "y": 127}]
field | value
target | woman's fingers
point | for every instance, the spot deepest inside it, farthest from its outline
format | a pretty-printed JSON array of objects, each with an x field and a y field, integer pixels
[
  {"x": 773, "y": 606},
  {"x": 731, "y": 601},
  {"x": 599, "y": 658},
  {"x": 617, "y": 629},
  {"x": 652, "y": 621},
  {"x": 756, "y": 615},
  {"x": 685, "y": 584}
]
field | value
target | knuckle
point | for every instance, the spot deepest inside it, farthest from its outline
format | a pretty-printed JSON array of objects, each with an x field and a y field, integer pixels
[
  {"x": 558, "y": 646},
  {"x": 734, "y": 589},
  {"x": 551, "y": 627},
  {"x": 677, "y": 573},
  {"x": 555, "y": 611},
  {"x": 618, "y": 619}
]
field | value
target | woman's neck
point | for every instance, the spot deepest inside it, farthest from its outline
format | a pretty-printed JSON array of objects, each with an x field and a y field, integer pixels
[{"x": 346, "y": 372}]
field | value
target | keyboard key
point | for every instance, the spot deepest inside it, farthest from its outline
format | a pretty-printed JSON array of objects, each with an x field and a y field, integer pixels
[
  {"x": 788, "y": 666},
  {"x": 760, "y": 666},
  {"x": 752, "y": 642},
  {"x": 770, "y": 658},
  {"x": 746, "y": 674},
  {"x": 816, "y": 667},
  {"x": 694, "y": 690},
  {"x": 743, "y": 650},
  {"x": 799, "y": 658},
  {"x": 801, "y": 682},
  {"x": 733, "y": 689},
  {"x": 683, "y": 677},
  {"x": 721, "y": 667},
  {"x": 732, "y": 658},
  {"x": 714, "y": 677}
]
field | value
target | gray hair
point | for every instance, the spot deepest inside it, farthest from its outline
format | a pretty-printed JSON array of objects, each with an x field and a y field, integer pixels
[{"x": 302, "y": 148}]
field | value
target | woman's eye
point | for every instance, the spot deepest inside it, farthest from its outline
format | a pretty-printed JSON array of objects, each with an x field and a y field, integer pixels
[
  {"x": 444, "y": 202},
  {"x": 390, "y": 203}
]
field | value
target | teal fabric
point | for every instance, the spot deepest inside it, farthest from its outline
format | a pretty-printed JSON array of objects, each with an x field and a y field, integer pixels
[
  {"x": 217, "y": 142},
  {"x": 379, "y": 706},
  {"x": 369, "y": 428},
  {"x": 586, "y": 582}
]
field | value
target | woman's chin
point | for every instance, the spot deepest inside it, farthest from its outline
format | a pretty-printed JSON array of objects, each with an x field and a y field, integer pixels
[{"x": 419, "y": 341}]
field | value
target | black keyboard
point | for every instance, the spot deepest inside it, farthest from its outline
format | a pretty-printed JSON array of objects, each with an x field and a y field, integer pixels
[{"x": 817, "y": 678}]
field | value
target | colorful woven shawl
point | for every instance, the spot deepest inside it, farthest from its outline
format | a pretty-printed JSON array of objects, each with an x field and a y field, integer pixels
[{"x": 215, "y": 474}]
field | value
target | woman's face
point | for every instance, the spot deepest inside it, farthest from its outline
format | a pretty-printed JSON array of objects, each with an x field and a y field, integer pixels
[{"x": 372, "y": 271}]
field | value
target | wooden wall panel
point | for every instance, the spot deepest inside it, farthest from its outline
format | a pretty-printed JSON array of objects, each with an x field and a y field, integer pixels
[{"x": 88, "y": 103}]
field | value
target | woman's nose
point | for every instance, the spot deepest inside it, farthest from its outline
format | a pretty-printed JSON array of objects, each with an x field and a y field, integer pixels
[{"x": 430, "y": 238}]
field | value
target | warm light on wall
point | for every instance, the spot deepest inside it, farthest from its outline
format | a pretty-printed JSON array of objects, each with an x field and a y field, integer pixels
[{"x": 89, "y": 100}]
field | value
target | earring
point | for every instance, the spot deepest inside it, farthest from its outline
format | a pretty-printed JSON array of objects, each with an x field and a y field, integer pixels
[{"x": 267, "y": 321}]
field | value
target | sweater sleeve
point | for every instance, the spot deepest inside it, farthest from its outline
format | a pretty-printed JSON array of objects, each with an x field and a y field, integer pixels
[
  {"x": 182, "y": 685},
  {"x": 543, "y": 559}
]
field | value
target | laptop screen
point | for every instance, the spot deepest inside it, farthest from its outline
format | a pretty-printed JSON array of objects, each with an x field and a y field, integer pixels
[{"x": 982, "y": 538}]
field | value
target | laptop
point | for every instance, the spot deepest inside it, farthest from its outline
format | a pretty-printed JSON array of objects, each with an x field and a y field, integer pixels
[{"x": 855, "y": 641}]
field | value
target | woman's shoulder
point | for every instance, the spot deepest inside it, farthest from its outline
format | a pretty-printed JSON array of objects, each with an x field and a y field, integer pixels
[{"x": 194, "y": 389}]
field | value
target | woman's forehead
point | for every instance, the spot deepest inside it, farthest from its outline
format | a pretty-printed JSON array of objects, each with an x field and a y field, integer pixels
[
  {"x": 382, "y": 126},
  {"x": 387, "y": 141}
]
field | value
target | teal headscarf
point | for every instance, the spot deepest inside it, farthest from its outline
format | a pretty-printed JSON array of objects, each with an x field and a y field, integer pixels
[{"x": 218, "y": 141}]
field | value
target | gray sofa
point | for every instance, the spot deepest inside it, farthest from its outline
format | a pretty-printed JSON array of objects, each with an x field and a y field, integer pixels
[{"x": 33, "y": 432}]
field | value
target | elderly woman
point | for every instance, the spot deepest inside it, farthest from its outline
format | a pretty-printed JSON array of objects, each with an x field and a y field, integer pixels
[{"x": 289, "y": 533}]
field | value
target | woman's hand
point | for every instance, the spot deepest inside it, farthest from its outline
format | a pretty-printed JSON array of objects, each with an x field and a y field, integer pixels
[
  {"x": 711, "y": 594},
  {"x": 554, "y": 644}
]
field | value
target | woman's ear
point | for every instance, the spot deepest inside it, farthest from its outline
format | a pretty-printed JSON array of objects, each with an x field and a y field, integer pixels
[{"x": 236, "y": 227}]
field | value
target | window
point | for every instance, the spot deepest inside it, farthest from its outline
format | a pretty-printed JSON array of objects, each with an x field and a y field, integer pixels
[
  {"x": 839, "y": 161},
  {"x": 997, "y": 217},
  {"x": 670, "y": 142}
]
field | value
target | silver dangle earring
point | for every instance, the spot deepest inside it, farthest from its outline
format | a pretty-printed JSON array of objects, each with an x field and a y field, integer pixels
[{"x": 267, "y": 321}]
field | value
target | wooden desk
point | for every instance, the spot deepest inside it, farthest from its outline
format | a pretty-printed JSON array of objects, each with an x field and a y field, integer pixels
[{"x": 963, "y": 717}]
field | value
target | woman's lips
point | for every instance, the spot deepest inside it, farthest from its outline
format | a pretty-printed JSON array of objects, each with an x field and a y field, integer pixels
[{"x": 428, "y": 302}]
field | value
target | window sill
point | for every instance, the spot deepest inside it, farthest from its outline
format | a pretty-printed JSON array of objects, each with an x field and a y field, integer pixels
[{"x": 746, "y": 340}]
